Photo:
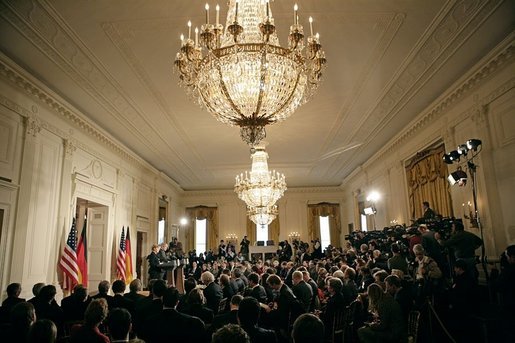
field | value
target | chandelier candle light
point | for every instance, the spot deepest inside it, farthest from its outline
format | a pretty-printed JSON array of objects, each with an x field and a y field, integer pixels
[
  {"x": 260, "y": 189},
  {"x": 242, "y": 75}
]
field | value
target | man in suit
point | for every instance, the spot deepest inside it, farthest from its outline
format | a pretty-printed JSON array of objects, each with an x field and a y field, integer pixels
[
  {"x": 230, "y": 317},
  {"x": 103, "y": 288},
  {"x": 119, "y": 301},
  {"x": 289, "y": 274},
  {"x": 302, "y": 290},
  {"x": 315, "y": 302},
  {"x": 213, "y": 292},
  {"x": 75, "y": 305},
  {"x": 134, "y": 287},
  {"x": 285, "y": 306},
  {"x": 248, "y": 315},
  {"x": 149, "y": 307},
  {"x": 170, "y": 324},
  {"x": 13, "y": 297},
  {"x": 308, "y": 328},
  {"x": 257, "y": 291},
  {"x": 400, "y": 294},
  {"x": 335, "y": 303}
]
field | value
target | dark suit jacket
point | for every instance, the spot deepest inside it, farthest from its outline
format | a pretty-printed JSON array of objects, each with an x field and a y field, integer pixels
[
  {"x": 107, "y": 297},
  {"x": 259, "y": 293},
  {"x": 122, "y": 302},
  {"x": 199, "y": 311},
  {"x": 304, "y": 293},
  {"x": 334, "y": 304},
  {"x": 285, "y": 303},
  {"x": 135, "y": 297},
  {"x": 6, "y": 308},
  {"x": 74, "y": 308},
  {"x": 213, "y": 293},
  {"x": 224, "y": 319},
  {"x": 260, "y": 335},
  {"x": 173, "y": 326},
  {"x": 144, "y": 310}
]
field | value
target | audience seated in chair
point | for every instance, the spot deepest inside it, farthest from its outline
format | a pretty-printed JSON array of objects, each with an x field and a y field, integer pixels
[
  {"x": 230, "y": 333},
  {"x": 13, "y": 297},
  {"x": 196, "y": 306},
  {"x": 74, "y": 306},
  {"x": 42, "y": 331},
  {"x": 248, "y": 316},
  {"x": 119, "y": 325},
  {"x": 89, "y": 331},
  {"x": 308, "y": 328},
  {"x": 22, "y": 316}
]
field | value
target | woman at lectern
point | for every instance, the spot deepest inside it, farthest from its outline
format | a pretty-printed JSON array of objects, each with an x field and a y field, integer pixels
[{"x": 154, "y": 264}]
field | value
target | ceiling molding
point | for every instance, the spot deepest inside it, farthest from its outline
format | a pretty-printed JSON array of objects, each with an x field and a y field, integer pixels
[
  {"x": 453, "y": 27},
  {"x": 492, "y": 63},
  {"x": 19, "y": 78}
]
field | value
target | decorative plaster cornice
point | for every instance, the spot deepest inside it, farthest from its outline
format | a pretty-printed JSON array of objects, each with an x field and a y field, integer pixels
[
  {"x": 300, "y": 190},
  {"x": 492, "y": 63},
  {"x": 16, "y": 76}
]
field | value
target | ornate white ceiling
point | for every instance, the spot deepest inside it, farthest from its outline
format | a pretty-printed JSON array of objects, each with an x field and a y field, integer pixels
[{"x": 387, "y": 61}]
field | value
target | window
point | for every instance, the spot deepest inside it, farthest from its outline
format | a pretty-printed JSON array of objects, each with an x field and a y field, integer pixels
[
  {"x": 364, "y": 223},
  {"x": 262, "y": 233},
  {"x": 200, "y": 236},
  {"x": 161, "y": 231},
  {"x": 325, "y": 235}
]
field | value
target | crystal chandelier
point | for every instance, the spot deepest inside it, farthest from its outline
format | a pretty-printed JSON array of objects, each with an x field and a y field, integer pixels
[
  {"x": 242, "y": 75},
  {"x": 260, "y": 189},
  {"x": 262, "y": 215}
]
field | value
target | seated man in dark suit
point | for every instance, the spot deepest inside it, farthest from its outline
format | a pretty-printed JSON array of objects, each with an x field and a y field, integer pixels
[
  {"x": 248, "y": 316},
  {"x": 75, "y": 305},
  {"x": 255, "y": 290},
  {"x": 103, "y": 288},
  {"x": 119, "y": 324},
  {"x": 230, "y": 333},
  {"x": 302, "y": 290},
  {"x": 400, "y": 294},
  {"x": 148, "y": 308},
  {"x": 22, "y": 316},
  {"x": 170, "y": 324},
  {"x": 335, "y": 303},
  {"x": 308, "y": 328},
  {"x": 212, "y": 292},
  {"x": 13, "y": 298},
  {"x": 134, "y": 287},
  {"x": 230, "y": 317},
  {"x": 119, "y": 301}
]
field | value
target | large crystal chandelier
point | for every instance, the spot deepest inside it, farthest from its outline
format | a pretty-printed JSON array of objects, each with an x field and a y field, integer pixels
[
  {"x": 242, "y": 75},
  {"x": 260, "y": 189}
]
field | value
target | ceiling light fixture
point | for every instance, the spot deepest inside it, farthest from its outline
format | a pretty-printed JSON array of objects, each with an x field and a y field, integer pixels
[
  {"x": 260, "y": 188},
  {"x": 242, "y": 75}
]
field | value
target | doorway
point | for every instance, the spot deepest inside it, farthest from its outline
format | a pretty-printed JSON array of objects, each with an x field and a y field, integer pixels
[
  {"x": 94, "y": 217},
  {"x": 141, "y": 266}
]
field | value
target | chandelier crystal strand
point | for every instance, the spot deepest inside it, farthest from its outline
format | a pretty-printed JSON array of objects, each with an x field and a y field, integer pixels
[
  {"x": 242, "y": 75},
  {"x": 260, "y": 188}
]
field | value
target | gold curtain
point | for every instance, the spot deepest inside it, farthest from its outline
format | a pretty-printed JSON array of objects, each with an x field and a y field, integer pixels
[
  {"x": 274, "y": 230},
  {"x": 251, "y": 231},
  {"x": 427, "y": 181},
  {"x": 211, "y": 216},
  {"x": 324, "y": 210}
]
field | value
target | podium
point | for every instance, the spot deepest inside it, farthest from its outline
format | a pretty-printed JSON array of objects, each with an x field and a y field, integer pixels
[
  {"x": 174, "y": 271},
  {"x": 262, "y": 250}
]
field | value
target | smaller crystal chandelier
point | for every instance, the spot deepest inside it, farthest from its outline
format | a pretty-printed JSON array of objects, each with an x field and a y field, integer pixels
[
  {"x": 260, "y": 189},
  {"x": 262, "y": 215}
]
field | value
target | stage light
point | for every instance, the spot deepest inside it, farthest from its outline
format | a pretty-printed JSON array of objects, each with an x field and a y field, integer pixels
[
  {"x": 463, "y": 149},
  {"x": 473, "y": 144}
]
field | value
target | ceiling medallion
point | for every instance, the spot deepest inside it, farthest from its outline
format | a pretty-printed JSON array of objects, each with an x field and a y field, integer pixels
[{"x": 242, "y": 75}]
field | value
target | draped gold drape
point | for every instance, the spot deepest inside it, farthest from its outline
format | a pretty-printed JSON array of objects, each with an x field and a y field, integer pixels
[
  {"x": 427, "y": 181},
  {"x": 251, "y": 231},
  {"x": 211, "y": 216},
  {"x": 324, "y": 210}
]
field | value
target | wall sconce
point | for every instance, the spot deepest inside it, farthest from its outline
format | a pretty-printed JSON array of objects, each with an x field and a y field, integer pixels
[
  {"x": 471, "y": 215},
  {"x": 294, "y": 236}
]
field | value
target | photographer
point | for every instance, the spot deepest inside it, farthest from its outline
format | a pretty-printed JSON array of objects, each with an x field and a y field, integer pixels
[{"x": 464, "y": 245}]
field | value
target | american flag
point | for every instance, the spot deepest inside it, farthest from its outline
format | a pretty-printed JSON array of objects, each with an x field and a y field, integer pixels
[
  {"x": 68, "y": 260},
  {"x": 120, "y": 261}
]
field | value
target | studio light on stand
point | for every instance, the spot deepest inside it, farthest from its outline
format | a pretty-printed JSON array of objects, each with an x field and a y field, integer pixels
[{"x": 465, "y": 154}]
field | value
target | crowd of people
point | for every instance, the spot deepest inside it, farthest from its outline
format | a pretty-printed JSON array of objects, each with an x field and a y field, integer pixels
[{"x": 378, "y": 279}]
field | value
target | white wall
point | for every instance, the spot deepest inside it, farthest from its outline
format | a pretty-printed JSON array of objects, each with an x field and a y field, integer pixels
[
  {"x": 480, "y": 105},
  {"x": 50, "y": 155}
]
